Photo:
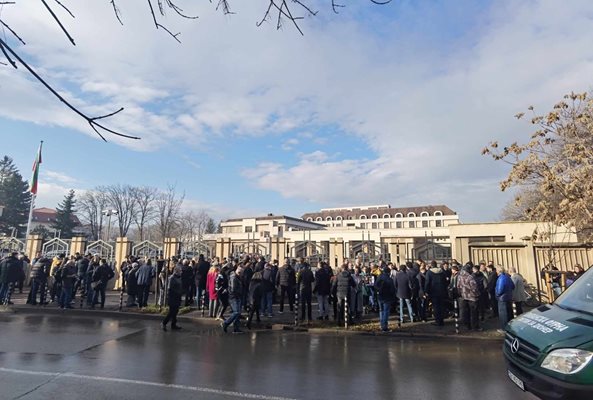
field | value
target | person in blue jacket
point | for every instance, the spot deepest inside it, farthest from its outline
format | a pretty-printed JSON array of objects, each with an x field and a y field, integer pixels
[{"x": 504, "y": 295}]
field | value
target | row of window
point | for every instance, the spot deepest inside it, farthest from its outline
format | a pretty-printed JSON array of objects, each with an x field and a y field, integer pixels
[
  {"x": 395, "y": 225},
  {"x": 376, "y": 216}
]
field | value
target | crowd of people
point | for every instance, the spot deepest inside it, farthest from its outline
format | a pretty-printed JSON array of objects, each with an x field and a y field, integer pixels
[{"x": 417, "y": 291}]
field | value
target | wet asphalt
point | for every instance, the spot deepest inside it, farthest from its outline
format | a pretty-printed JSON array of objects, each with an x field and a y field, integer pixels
[{"x": 75, "y": 357}]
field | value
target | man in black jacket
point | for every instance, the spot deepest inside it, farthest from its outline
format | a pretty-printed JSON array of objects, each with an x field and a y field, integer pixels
[
  {"x": 491, "y": 289},
  {"x": 39, "y": 274},
  {"x": 342, "y": 285},
  {"x": 235, "y": 298},
  {"x": 386, "y": 296},
  {"x": 286, "y": 279},
  {"x": 323, "y": 290},
  {"x": 305, "y": 285},
  {"x": 174, "y": 299},
  {"x": 10, "y": 270},
  {"x": 435, "y": 288},
  {"x": 202, "y": 269}
]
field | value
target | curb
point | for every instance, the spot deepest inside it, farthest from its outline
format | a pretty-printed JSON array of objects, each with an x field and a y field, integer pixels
[{"x": 208, "y": 321}]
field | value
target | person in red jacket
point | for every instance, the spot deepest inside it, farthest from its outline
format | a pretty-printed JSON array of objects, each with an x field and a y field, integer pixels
[{"x": 211, "y": 289}]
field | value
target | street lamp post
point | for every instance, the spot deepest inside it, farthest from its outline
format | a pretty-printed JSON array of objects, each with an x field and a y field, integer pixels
[{"x": 108, "y": 214}]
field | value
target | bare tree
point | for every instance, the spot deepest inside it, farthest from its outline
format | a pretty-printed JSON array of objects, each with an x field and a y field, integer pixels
[
  {"x": 123, "y": 200},
  {"x": 192, "y": 225},
  {"x": 145, "y": 207},
  {"x": 90, "y": 207},
  {"x": 168, "y": 207},
  {"x": 519, "y": 208}
]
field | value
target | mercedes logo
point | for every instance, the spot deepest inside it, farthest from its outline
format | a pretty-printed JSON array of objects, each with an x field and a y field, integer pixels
[{"x": 515, "y": 346}]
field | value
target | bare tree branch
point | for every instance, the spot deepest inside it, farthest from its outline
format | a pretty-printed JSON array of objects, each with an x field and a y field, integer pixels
[
  {"x": 55, "y": 17},
  {"x": 156, "y": 23},
  {"x": 65, "y": 8},
  {"x": 179, "y": 11},
  {"x": 91, "y": 120},
  {"x": 13, "y": 32},
  {"x": 335, "y": 6},
  {"x": 116, "y": 11}
]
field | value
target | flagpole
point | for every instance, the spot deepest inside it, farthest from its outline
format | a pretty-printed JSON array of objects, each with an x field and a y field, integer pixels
[
  {"x": 33, "y": 188},
  {"x": 33, "y": 196}
]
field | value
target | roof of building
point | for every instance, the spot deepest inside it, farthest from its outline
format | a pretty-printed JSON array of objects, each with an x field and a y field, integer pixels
[
  {"x": 271, "y": 217},
  {"x": 47, "y": 215},
  {"x": 356, "y": 212}
]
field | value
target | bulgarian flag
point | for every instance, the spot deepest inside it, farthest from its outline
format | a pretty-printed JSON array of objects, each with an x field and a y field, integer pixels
[{"x": 35, "y": 177}]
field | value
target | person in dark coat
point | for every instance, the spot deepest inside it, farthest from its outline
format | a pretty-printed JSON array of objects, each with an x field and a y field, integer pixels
[
  {"x": 222, "y": 291},
  {"x": 268, "y": 281},
  {"x": 305, "y": 282},
  {"x": 144, "y": 277},
  {"x": 82, "y": 265},
  {"x": 201, "y": 277},
  {"x": 255, "y": 297},
  {"x": 403, "y": 292},
  {"x": 422, "y": 306},
  {"x": 286, "y": 280},
  {"x": 483, "y": 298},
  {"x": 323, "y": 290},
  {"x": 39, "y": 274},
  {"x": 101, "y": 276},
  {"x": 10, "y": 271},
  {"x": 187, "y": 276},
  {"x": 435, "y": 288},
  {"x": 342, "y": 285},
  {"x": 174, "y": 294},
  {"x": 68, "y": 281},
  {"x": 385, "y": 289},
  {"x": 491, "y": 289},
  {"x": 235, "y": 297},
  {"x": 131, "y": 278},
  {"x": 246, "y": 278}
]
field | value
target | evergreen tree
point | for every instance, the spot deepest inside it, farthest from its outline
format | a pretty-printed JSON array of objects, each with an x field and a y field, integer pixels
[
  {"x": 14, "y": 196},
  {"x": 219, "y": 227},
  {"x": 42, "y": 231},
  {"x": 65, "y": 221},
  {"x": 210, "y": 226}
]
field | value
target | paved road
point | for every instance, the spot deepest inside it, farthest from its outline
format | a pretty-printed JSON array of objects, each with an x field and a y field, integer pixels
[{"x": 69, "y": 357}]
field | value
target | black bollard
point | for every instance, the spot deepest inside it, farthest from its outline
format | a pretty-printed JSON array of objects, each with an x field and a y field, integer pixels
[
  {"x": 456, "y": 306},
  {"x": 296, "y": 308},
  {"x": 82, "y": 293},
  {"x": 121, "y": 298},
  {"x": 203, "y": 302},
  {"x": 346, "y": 316},
  {"x": 9, "y": 294}
]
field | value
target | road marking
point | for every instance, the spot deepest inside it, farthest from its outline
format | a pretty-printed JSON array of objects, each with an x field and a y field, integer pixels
[{"x": 201, "y": 389}]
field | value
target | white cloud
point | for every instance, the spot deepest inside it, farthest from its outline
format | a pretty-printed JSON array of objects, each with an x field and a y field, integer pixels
[
  {"x": 60, "y": 177},
  {"x": 289, "y": 144}
]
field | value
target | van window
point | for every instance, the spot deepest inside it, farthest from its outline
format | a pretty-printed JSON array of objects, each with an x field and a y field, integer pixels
[{"x": 579, "y": 296}]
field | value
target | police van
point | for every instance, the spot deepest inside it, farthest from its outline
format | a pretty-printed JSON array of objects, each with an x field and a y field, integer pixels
[{"x": 549, "y": 350}]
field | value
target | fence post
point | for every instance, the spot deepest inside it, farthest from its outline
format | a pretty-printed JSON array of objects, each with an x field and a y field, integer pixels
[{"x": 456, "y": 306}]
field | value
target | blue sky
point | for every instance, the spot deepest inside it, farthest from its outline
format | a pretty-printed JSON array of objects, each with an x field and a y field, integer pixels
[{"x": 375, "y": 105}]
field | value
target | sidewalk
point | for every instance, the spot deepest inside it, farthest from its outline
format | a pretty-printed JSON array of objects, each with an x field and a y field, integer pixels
[{"x": 369, "y": 325}]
